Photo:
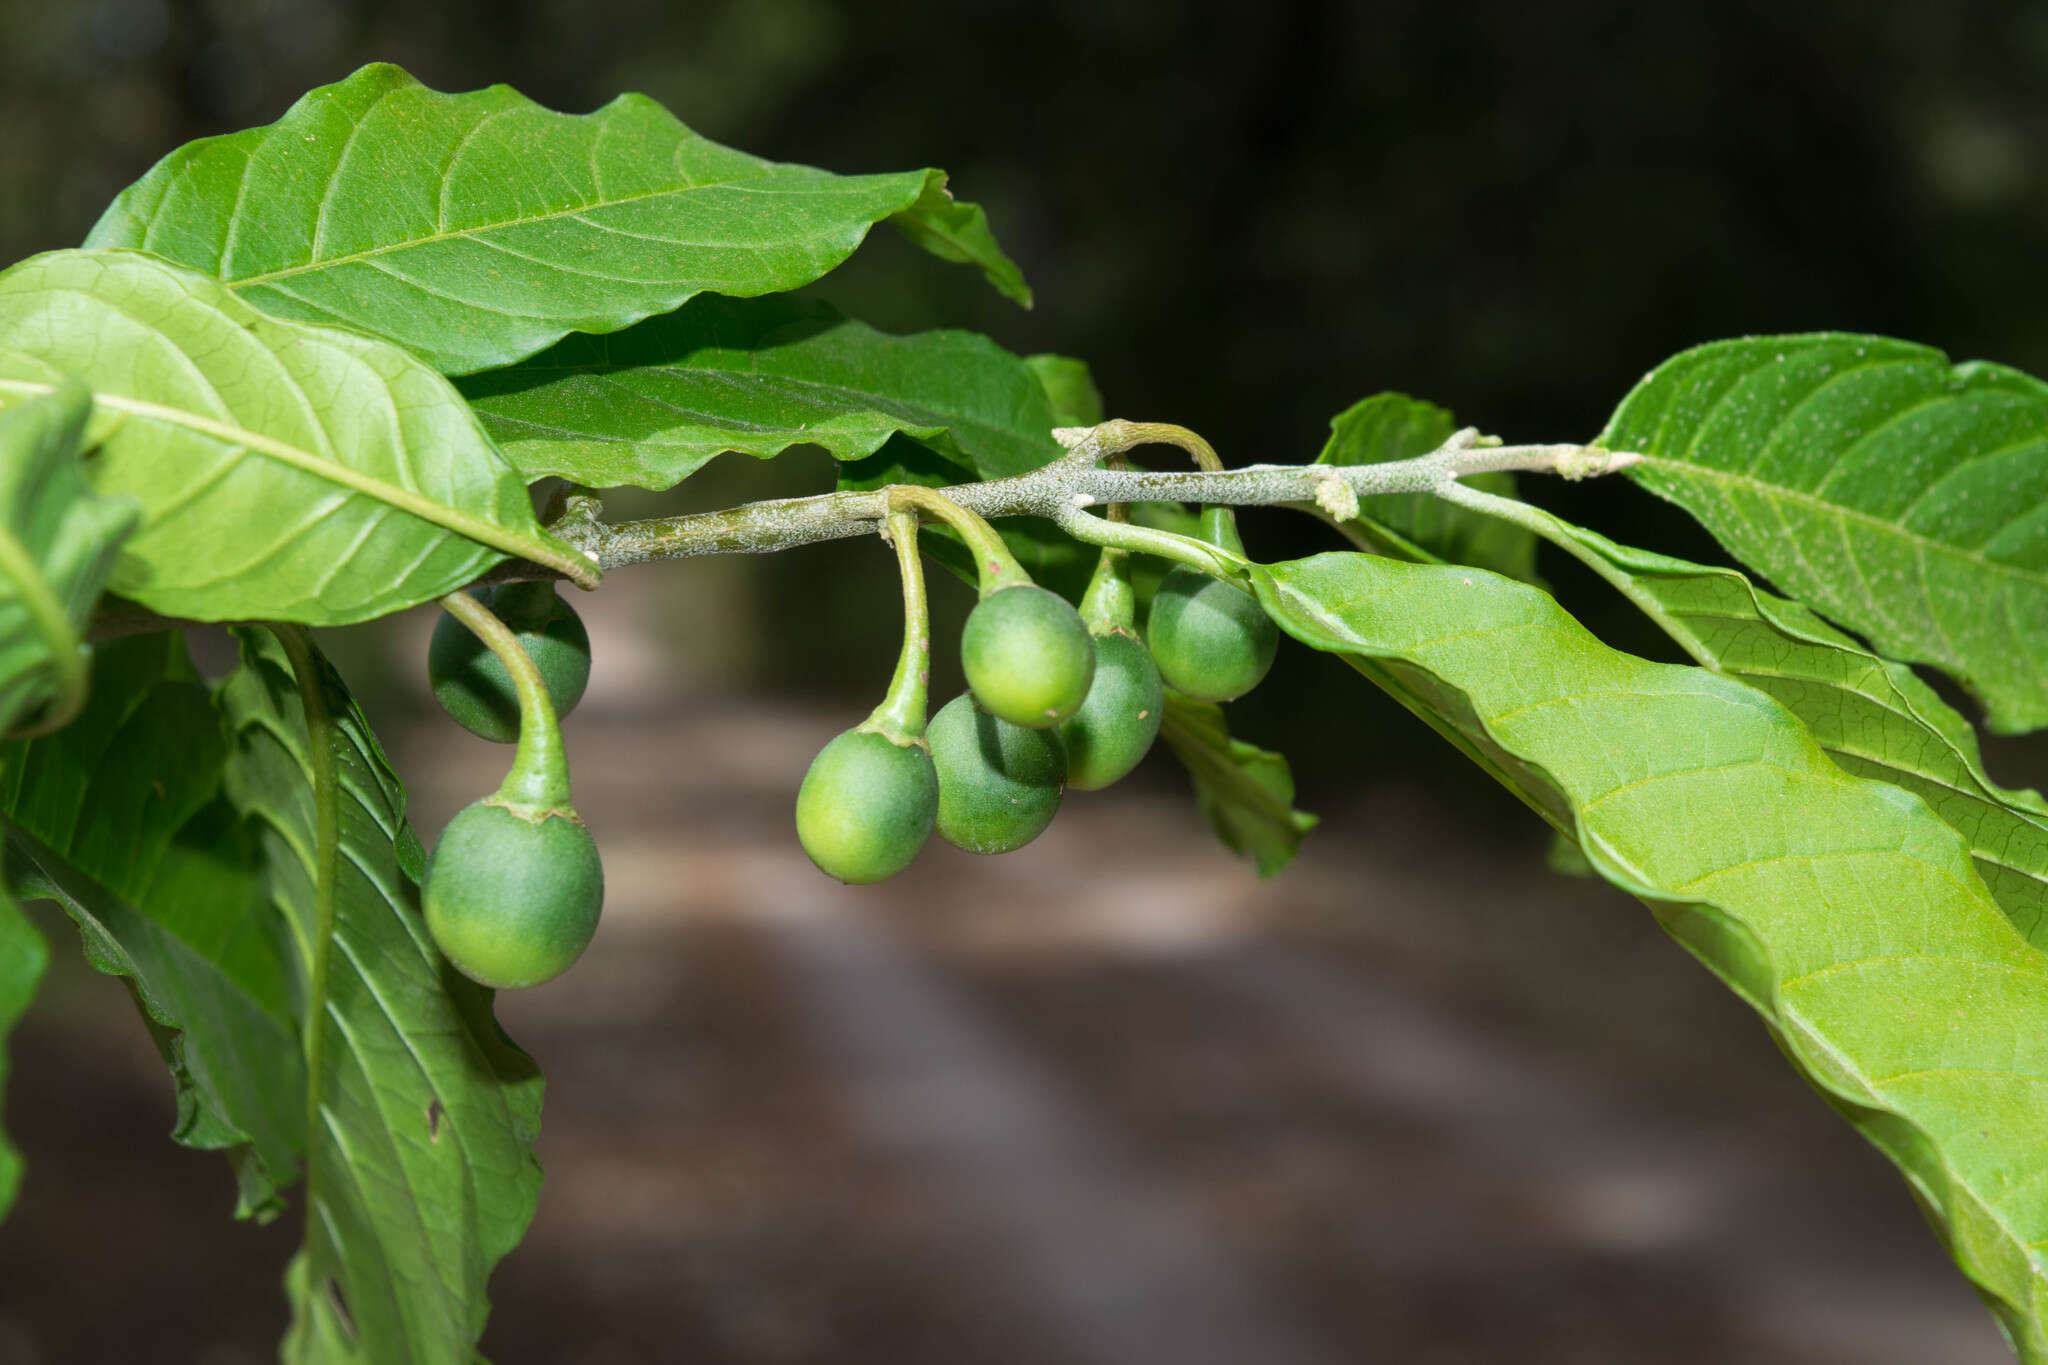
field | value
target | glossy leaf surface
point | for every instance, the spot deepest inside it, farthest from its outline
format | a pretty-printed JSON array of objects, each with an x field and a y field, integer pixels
[
  {"x": 1246, "y": 793},
  {"x": 1844, "y": 910},
  {"x": 476, "y": 229},
  {"x": 1904, "y": 497},
  {"x": 285, "y": 472}
]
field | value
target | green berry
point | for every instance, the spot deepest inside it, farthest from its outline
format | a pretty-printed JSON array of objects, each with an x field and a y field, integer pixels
[
  {"x": 473, "y": 686},
  {"x": 1028, "y": 658},
  {"x": 866, "y": 806},
  {"x": 999, "y": 784},
  {"x": 1211, "y": 639},
  {"x": 1118, "y": 722},
  {"x": 512, "y": 901}
]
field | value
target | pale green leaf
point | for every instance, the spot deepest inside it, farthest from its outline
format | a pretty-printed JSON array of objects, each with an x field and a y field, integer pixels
[
  {"x": 23, "y": 956},
  {"x": 57, "y": 545},
  {"x": 651, "y": 405},
  {"x": 1393, "y": 426},
  {"x": 285, "y": 471},
  {"x": 421, "y": 1174},
  {"x": 118, "y": 818},
  {"x": 1245, "y": 792},
  {"x": 1843, "y": 909},
  {"x": 1069, "y": 388},
  {"x": 1900, "y": 495},
  {"x": 476, "y": 229}
]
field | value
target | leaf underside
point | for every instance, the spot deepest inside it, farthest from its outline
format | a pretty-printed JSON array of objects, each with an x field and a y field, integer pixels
[
  {"x": 476, "y": 229},
  {"x": 423, "y": 1174},
  {"x": 1902, "y": 496},
  {"x": 284, "y": 471},
  {"x": 1245, "y": 793},
  {"x": 651, "y": 405},
  {"x": 1851, "y": 918}
]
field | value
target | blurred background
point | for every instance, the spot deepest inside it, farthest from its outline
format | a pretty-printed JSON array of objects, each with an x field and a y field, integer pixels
[{"x": 1112, "y": 1099}]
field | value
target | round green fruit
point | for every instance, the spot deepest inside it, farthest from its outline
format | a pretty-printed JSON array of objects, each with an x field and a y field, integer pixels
[
  {"x": 510, "y": 901},
  {"x": 1028, "y": 657},
  {"x": 1118, "y": 722},
  {"x": 866, "y": 806},
  {"x": 1211, "y": 639},
  {"x": 999, "y": 784},
  {"x": 473, "y": 686}
]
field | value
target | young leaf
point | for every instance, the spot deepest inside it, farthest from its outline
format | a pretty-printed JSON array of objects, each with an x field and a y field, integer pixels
[
  {"x": 1245, "y": 792},
  {"x": 1069, "y": 388},
  {"x": 1393, "y": 426},
  {"x": 284, "y": 471},
  {"x": 1844, "y": 910},
  {"x": 23, "y": 956},
  {"x": 118, "y": 819},
  {"x": 57, "y": 545},
  {"x": 1904, "y": 497},
  {"x": 421, "y": 1173},
  {"x": 1874, "y": 717},
  {"x": 649, "y": 406},
  {"x": 479, "y": 228}
]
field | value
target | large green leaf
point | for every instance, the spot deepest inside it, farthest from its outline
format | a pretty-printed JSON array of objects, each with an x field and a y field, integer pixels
[
  {"x": 57, "y": 544},
  {"x": 1905, "y": 497},
  {"x": 650, "y": 405},
  {"x": 284, "y": 471},
  {"x": 1874, "y": 717},
  {"x": 1246, "y": 793},
  {"x": 118, "y": 818},
  {"x": 1393, "y": 426},
  {"x": 476, "y": 229},
  {"x": 421, "y": 1172},
  {"x": 23, "y": 956},
  {"x": 1843, "y": 909}
]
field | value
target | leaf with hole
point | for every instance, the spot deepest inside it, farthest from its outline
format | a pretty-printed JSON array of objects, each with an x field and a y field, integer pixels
[
  {"x": 1904, "y": 497},
  {"x": 476, "y": 229},
  {"x": 284, "y": 471}
]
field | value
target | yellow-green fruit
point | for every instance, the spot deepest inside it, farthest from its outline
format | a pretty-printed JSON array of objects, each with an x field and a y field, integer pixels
[
  {"x": 999, "y": 784},
  {"x": 866, "y": 806},
  {"x": 1027, "y": 656},
  {"x": 1211, "y": 639},
  {"x": 473, "y": 686},
  {"x": 511, "y": 901},
  {"x": 1118, "y": 722}
]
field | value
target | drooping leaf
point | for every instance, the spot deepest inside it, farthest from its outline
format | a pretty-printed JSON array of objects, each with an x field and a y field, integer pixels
[
  {"x": 1245, "y": 792},
  {"x": 1844, "y": 910},
  {"x": 1393, "y": 426},
  {"x": 57, "y": 545},
  {"x": 649, "y": 406},
  {"x": 284, "y": 471},
  {"x": 119, "y": 819},
  {"x": 421, "y": 1174},
  {"x": 1900, "y": 495},
  {"x": 476, "y": 229},
  {"x": 23, "y": 956},
  {"x": 1874, "y": 717},
  {"x": 1069, "y": 388}
]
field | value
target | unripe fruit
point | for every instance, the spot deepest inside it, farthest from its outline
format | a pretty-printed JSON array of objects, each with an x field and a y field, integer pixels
[
  {"x": 510, "y": 901},
  {"x": 1118, "y": 722},
  {"x": 1028, "y": 658},
  {"x": 471, "y": 683},
  {"x": 866, "y": 806},
  {"x": 999, "y": 784},
  {"x": 1211, "y": 639}
]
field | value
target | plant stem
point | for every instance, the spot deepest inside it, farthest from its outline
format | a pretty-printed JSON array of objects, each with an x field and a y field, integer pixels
[
  {"x": 901, "y": 717},
  {"x": 995, "y": 567},
  {"x": 537, "y": 787}
]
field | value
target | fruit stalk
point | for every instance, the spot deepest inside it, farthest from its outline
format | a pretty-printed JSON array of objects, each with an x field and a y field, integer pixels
[
  {"x": 901, "y": 716},
  {"x": 538, "y": 783}
]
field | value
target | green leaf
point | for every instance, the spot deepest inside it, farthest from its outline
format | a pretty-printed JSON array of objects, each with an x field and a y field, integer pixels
[
  {"x": 651, "y": 405},
  {"x": 1245, "y": 792},
  {"x": 1875, "y": 717},
  {"x": 118, "y": 818},
  {"x": 421, "y": 1174},
  {"x": 285, "y": 472},
  {"x": 1902, "y": 496},
  {"x": 23, "y": 956},
  {"x": 1069, "y": 388},
  {"x": 57, "y": 544},
  {"x": 1393, "y": 426},
  {"x": 1844, "y": 910},
  {"x": 479, "y": 228}
]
